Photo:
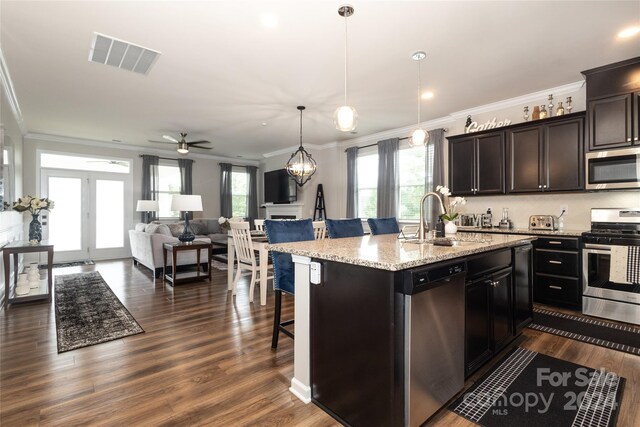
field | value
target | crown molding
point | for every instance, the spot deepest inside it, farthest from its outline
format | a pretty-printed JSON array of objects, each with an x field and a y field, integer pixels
[
  {"x": 519, "y": 100},
  {"x": 12, "y": 99},
  {"x": 128, "y": 147}
]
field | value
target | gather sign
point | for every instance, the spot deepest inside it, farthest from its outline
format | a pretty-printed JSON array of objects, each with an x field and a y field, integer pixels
[{"x": 489, "y": 124}]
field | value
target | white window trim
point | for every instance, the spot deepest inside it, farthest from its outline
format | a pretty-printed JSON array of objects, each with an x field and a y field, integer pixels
[{"x": 169, "y": 163}]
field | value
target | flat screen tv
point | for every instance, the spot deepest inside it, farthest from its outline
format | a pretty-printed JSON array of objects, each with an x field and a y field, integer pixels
[{"x": 279, "y": 187}]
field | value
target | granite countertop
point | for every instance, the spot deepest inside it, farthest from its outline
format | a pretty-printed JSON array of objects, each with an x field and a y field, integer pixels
[
  {"x": 386, "y": 252},
  {"x": 560, "y": 233}
]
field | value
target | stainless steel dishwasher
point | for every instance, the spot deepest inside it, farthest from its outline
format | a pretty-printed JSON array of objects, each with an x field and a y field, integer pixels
[{"x": 434, "y": 340}]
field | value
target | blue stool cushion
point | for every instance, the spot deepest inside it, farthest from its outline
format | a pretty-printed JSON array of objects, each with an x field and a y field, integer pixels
[
  {"x": 338, "y": 228},
  {"x": 283, "y": 232},
  {"x": 383, "y": 226}
]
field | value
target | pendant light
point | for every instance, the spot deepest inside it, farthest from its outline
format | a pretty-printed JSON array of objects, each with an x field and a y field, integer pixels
[
  {"x": 301, "y": 165},
  {"x": 345, "y": 117},
  {"x": 419, "y": 136}
]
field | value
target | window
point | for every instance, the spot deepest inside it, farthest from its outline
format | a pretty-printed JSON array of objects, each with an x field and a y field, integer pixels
[
  {"x": 367, "y": 186},
  {"x": 7, "y": 175},
  {"x": 169, "y": 183},
  {"x": 65, "y": 161},
  {"x": 239, "y": 193},
  {"x": 412, "y": 180}
]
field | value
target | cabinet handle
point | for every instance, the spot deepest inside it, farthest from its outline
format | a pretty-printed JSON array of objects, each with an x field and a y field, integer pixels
[
  {"x": 545, "y": 186},
  {"x": 628, "y": 139},
  {"x": 555, "y": 287},
  {"x": 495, "y": 284},
  {"x": 540, "y": 186},
  {"x": 555, "y": 262},
  {"x": 554, "y": 242},
  {"x": 635, "y": 139}
]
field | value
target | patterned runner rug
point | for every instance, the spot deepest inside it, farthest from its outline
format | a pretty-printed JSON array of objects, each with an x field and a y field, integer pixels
[
  {"x": 88, "y": 312},
  {"x": 529, "y": 389},
  {"x": 593, "y": 331}
]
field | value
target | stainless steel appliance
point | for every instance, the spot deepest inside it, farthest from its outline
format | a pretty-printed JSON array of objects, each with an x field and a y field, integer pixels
[
  {"x": 613, "y": 169},
  {"x": 602, "y": 297},
  {"x": 543, "y": 222}
]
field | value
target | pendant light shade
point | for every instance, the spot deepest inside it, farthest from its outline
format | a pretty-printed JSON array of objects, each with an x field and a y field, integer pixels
[
  {"x": 301, "y": 165},
  {"x": 345, "y": 117},
  {"x": 419, "y": 136}
]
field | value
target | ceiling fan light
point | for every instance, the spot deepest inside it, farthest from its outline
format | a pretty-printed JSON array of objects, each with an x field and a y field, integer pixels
[
  {"x": 418, "y": 137},
  {"x": 183, "y": 147},
  {"x": 345, "y": 118}
]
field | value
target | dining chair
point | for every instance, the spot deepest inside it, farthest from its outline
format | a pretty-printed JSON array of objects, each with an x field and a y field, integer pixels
[
  {"x": 259, "y": 223},
  {"x": 337, "y": 228},
  {"x": 383, "y": 225},
  {"x": 283, "y": 268},
  {"x": 319, "y": 229},
  {"x": 245, "y": 255}
]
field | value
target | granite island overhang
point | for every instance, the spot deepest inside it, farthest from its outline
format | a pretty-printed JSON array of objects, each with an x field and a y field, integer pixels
[{"x": 369, "y": 255}]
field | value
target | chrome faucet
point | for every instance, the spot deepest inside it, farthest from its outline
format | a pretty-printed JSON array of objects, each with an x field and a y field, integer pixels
[{"x": 422, "y": 231}]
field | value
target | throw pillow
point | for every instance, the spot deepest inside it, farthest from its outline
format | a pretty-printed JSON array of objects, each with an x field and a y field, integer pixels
[
  {"x": 158, "y": 229},
  {"x": 198, "y": 228},
  {"x": 140, "y": 226},
  {"x": 176, "y": 228}
]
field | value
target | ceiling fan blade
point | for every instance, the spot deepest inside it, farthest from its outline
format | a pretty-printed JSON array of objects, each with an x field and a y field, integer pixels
[
  {"x": 199, "y": 142},
  {"x": 170, "y": 138},
  {"x": 197, "y": 146}
]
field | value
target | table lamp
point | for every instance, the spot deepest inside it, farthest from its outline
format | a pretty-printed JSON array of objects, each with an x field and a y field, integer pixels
[
  {"x": 147, "y": 206},
  {"x": 186, "y": 203}
]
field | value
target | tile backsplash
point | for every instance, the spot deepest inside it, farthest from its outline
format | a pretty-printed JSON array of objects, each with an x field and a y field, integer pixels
[{"x": 579, "y": 206}]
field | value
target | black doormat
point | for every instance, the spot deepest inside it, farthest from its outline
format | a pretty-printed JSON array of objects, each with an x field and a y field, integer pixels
[
  {"x": 88, "y": 312},
  {"x": 529, "y": 389},
  {"x": 606, "y": 334},
  {"x": 67, "y": 264}
]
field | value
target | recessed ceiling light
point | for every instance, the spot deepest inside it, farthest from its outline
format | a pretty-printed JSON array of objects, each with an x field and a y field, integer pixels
[
  {"x": 629, "y": 32},
  {"x": 427, "y": 95},
  {"x": 269, "y": 20},
  {"x": 263, "y": 123}
]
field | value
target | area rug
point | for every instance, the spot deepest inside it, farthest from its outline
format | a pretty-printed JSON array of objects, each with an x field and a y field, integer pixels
[
  {"x": 218, "y": 265},
  {"x": 599, "y": 332},
  {"x": 89, "y": 313},
  {"x": 67, "y": 264},
  {"x": 528, "y": 389}
]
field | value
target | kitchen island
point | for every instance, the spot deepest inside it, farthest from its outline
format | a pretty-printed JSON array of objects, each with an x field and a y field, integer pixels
[{"x": 376, "y": 283}]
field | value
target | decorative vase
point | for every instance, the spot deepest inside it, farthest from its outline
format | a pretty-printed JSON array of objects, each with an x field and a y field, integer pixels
[
  {"x": 33, "y": 275},
  {"x": 536, "y": 113},
  {"x": 560, "y": 110},
  {"x": 22, "y": 289},
  {"x": 35, "y": 228},
  {"x": 450, "y": 227},
  {"x": 543, "y": 112}
]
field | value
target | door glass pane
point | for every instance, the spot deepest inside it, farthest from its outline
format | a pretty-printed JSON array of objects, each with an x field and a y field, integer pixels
[
  {"x": 63, "y": 161},
  {"x": 65, "y": 232},
  {"x": 109, "y": 214}
]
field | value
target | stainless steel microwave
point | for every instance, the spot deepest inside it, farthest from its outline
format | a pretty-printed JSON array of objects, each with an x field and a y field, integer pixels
[{"x": 613, "y": 169}]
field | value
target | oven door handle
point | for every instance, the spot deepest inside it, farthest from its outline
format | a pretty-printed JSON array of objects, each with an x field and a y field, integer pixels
[{"x": 593, "y": 246}]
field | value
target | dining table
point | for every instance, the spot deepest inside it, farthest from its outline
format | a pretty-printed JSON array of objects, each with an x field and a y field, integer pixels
[{"x": 259, "y": 240}]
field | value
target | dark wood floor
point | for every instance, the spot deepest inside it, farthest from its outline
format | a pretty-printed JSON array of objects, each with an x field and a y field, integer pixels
[{"x": 205, "y": 359}]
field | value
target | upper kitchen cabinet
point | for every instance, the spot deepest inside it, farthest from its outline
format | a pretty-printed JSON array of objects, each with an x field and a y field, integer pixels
[
  {"x": 613, "y": 108},
  {"x": 546, "y": 155},
  {"x": 476, "y": 164}
]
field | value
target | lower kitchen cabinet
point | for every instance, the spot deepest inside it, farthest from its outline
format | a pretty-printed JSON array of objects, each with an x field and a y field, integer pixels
[
  {"x": 489, "y": 307},
  {"x": 522, "y": 287},
  {"x": 557, "y": 272}
]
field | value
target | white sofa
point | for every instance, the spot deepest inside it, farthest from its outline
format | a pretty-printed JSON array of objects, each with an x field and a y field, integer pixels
[{"x": 147, "y": 239}]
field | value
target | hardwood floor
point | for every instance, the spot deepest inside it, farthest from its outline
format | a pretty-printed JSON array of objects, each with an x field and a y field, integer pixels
[{"x": 205, "y": 359}]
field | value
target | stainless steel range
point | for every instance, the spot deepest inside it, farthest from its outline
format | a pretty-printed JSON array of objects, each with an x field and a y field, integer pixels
[{"x": 611, "y": 288}]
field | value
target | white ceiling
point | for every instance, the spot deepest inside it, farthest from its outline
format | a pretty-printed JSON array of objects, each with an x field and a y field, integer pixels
[{"x": 221, "y": 73}]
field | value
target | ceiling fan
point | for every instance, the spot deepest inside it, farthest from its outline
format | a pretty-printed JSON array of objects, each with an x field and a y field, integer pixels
[
  {"x": 183, "y": 145},
  {"x": 110, "y": 162}
]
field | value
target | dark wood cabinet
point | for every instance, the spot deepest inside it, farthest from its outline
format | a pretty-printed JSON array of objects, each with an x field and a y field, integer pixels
[
  {"x": 522, "y": 287},
  {"x": 557, "y": 267},
  {"x": 548, "y": 156},
  {"x": 489, "y": 307},
  {"x": 612, "y": 105},
  {"x": 476, "y": 164}
]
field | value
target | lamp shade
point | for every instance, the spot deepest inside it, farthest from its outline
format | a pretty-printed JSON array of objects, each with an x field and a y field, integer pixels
[
  {"x": 147, "y": 206},
  {"x": 186, "y": 202}
]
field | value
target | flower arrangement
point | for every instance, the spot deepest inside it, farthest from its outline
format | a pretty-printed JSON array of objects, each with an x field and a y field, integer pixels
[
  {"x": 33, "y": 204},
  {"x": 450, "y": 205},
  {"x": 224, "y": 222}
]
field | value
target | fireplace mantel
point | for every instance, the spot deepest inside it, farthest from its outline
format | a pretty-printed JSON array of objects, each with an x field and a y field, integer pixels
[{"x": 284, "y": 211}]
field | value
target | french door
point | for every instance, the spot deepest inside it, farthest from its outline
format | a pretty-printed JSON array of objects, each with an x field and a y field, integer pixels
[{"x": 90, "y": 213}]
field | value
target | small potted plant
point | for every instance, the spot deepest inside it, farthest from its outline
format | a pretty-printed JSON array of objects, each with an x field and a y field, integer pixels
[{"x": 450, "y": 206}]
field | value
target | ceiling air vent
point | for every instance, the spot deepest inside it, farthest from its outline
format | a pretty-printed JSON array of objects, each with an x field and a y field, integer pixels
[{"x": 111, "y": 51}]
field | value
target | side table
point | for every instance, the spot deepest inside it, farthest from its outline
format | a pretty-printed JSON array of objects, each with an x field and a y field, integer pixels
[
  {"x": 176, "y": 278},
  {"x": 22, "y": 247}
]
